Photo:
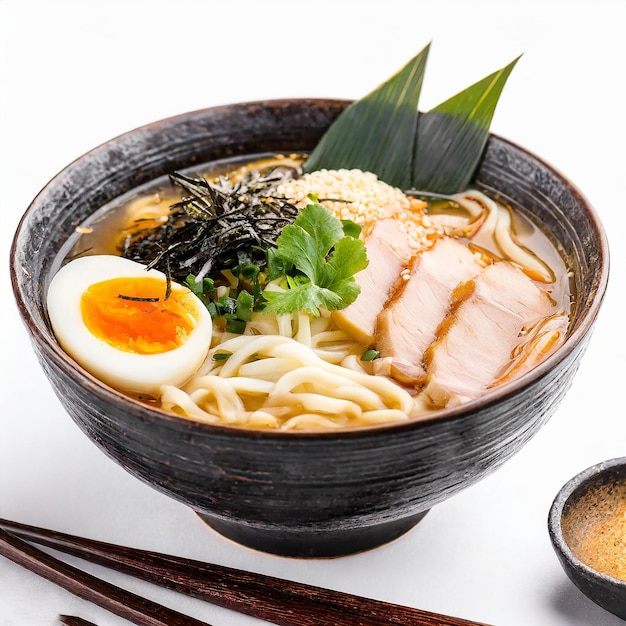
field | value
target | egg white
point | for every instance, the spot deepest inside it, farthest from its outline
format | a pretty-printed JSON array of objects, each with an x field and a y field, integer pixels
[{"x": 135, "y": 373}]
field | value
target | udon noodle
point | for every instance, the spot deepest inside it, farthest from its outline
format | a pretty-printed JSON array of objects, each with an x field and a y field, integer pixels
[
  {"x": 300, "y": 372},
  {"x": 310, "y": 377}
]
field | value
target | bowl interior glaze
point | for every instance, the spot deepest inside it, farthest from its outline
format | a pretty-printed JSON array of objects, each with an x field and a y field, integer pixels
[
  {"x": 587, "y": 527},
  {"x": 301, "y": 494}
]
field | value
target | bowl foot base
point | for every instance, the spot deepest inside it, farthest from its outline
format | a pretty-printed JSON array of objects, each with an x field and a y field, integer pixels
[{"x": 310, "y": 542}]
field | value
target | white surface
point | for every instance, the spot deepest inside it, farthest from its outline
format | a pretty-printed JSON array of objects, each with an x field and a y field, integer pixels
[{"x": 74, "y": 74}]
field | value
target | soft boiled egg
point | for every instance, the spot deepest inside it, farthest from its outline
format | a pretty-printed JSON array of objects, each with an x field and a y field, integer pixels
[{"x": 116, "y": 319}]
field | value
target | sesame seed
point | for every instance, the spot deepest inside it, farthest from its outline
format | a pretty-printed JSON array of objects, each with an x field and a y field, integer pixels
[{"x": 363, "y": 198}]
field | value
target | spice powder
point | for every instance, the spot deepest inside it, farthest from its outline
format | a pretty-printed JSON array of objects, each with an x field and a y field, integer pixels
[{"x": 594, "y": 528}]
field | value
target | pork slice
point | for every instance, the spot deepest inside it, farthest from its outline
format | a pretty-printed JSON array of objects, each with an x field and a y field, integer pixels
[
  {"x": 407, "y": 325},
  {"x": 486, "y": 327},
  {"x": 388, "y": 253}
]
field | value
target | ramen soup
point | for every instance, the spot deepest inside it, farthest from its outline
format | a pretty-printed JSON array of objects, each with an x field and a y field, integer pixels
[{"x": 265, "y": 298}]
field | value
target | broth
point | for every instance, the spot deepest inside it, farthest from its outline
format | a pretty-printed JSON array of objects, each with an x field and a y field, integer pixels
[{"x": 275, "y": 348}]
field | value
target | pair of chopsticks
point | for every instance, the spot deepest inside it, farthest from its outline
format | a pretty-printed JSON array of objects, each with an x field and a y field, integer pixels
[{"x": 268, "y": 598}]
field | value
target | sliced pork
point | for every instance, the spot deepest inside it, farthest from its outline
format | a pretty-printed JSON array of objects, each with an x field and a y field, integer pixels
[
  {"x": 478, "y": 342},
  {"x": 407, "y": 325},
  {"x": 388, "y": 252}
]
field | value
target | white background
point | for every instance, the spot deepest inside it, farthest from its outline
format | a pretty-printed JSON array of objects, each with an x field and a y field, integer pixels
[{"x": 74, "y": 74}]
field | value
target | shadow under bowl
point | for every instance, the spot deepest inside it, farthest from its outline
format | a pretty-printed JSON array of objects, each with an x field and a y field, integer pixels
[
  {"x": 301, "y": 494},
  {"x": 587, "y": 527}
]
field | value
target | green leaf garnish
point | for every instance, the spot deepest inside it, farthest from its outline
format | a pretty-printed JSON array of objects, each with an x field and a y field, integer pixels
[
  {"x": 309, "y": 298},
  {"x": 351, "y": 229},
  {"x": 307, "y": 241},
  {"x": 324, "y": 259},
  {"x": 452, "y": 136},
  {"x": 376, "y": 134},
  {"x": 384, "y": 133},
  {"x": 276, "y": 266},
  {"x": 222, "y": 356}
]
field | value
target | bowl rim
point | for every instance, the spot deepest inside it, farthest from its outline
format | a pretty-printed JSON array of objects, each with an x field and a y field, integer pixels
[
  {"x": 465, "y": 410},
  {"x": 555, "y": 516}
]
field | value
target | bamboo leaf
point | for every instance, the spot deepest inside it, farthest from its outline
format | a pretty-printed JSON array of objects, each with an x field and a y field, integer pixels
[
  {"x": 377, "y": 132},
  {"x": 452, "y": 136}
]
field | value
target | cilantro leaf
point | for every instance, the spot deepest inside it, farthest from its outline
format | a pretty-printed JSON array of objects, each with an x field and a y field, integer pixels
[
  {"x": 323, "y": 261},
  {"x": 306, "y": 297},
  {"x": 307, "y": 241},
  {"x": 347, "y": 259},
  {"x": 296, "y": 246},
  {"x": 351, "y": 228},
  {"x": 276, "y": 267}
]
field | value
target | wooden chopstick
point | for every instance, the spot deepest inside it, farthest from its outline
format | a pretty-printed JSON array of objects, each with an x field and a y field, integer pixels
[
  {"x": 73, "y": 620},
  {"x": 275, "y": 600},
  {"x": 134, "y": 608}
]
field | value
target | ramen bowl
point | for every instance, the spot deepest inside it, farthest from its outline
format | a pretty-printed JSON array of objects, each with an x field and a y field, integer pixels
[
  {"x": 304, "y": 494},
  {"x": 587, "y": 527}
]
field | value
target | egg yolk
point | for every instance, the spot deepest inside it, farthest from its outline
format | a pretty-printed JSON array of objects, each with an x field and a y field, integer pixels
[{"x": 133, "y": 315}]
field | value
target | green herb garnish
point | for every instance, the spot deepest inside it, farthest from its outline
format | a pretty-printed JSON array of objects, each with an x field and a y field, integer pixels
[
  {"x": 316, "y": 257},
  {"x": 321, "y": 261},
  {"x": 370, "y": 355},
  {"x": 204, "y": 288},
  {"x": 236, "y": 327},
  {"x": 351, "y": 229},
  {"x": 245, "y": 306}
]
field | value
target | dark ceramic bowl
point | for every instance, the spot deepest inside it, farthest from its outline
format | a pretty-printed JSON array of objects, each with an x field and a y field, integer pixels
[
  {"x": 301, "y": 494},
  {"x": 587, "y": 526}
]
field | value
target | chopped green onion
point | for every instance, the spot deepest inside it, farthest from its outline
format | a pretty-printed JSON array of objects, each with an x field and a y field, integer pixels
[
  {"x": 245, "y": 305},
  {"x": 247, "y": 271},
  {"x": 370, "y": 355},
  {"x": 235, "y": 326},
  {"x": 227, "y": 306},
  {"x": 203, "y": 289}
]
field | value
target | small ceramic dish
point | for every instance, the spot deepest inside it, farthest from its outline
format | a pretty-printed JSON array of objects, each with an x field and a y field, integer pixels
[{"x": 587, "y": 525}]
